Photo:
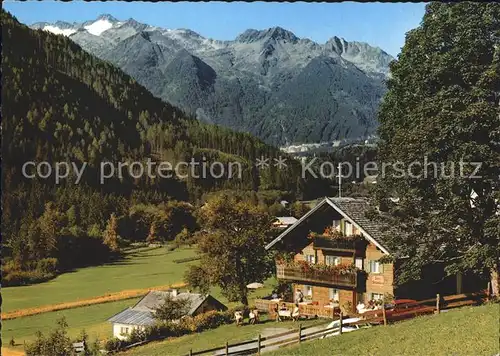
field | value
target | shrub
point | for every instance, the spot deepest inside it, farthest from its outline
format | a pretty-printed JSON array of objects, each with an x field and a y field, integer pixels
[
  {"x": 18, "y": 278},
  {"x": 210, "y": 320},
  {"x": 136, "y": 335},
  {"x": 47, "y": 265},
  {"x": 113, "y": 344}
]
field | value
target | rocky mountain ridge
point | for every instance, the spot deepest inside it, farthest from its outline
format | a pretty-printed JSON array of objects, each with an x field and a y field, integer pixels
[{"x": 281, "y": 88}]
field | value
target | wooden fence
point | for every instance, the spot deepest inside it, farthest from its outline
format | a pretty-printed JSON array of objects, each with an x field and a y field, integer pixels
[
  {"x": 372, "y": 317},
  {"x": 255, "y": 346}
]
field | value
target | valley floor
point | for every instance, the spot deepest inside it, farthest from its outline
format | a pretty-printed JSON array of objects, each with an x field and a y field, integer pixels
[{"x": 141, "y": 268}]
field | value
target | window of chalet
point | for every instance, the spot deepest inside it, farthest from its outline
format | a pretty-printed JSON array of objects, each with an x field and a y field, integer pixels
[
  {"x": 377, "y": 296},
  {"x": 332, "y": 260},
  {"x": 374, "y": 267},
  {"x": 334, "y": 294},
  {"x": 359, "y": 263},
  {"x": 336, "y": 225},
  {"x": 310, "y": 258},
  {"x": 123, "y": 330},
  {"x": 348, "y": 228},
  {"x": 308, "y": 291}
]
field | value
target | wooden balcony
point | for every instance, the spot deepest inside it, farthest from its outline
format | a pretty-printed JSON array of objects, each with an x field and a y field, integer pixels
[
  {"x": 296, "y": 274},
  {"x": 326, "y": 243}
]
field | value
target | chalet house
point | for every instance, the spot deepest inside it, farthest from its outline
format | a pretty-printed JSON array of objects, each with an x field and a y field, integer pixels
[
  {"x": 332, "y": 256},
  {"x": 141, "y": 314}
]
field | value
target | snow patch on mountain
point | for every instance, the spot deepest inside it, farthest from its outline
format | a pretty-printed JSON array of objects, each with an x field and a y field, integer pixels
[
  {"x": 59, "y": 31},
  {"x": 99, "y": 27}
]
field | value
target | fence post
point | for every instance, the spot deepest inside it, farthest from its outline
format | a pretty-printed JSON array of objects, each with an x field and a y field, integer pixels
[
  {"x": 258, "y": 345},
  {"x": 227, "y": 348},
  {"x": 190, "y": 352},
  {"x": 488, "y": 291},
  {"x": 438, "y": 301},
  {"x": 340, "y": 322},
  {"x": 300, "y": 333},
  {"x": 383, "y": 314}
]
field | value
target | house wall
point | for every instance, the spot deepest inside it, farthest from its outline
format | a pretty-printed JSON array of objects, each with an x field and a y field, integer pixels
[
  {"x": 117, "y": 330},
  {"x": 380, "y": 283}
]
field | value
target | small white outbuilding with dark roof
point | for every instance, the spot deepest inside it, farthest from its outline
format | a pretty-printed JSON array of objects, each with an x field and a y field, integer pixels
[{"x": 142, "y": 314}]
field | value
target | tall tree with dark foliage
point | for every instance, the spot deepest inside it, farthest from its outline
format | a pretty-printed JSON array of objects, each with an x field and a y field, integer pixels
[{"x": 443, "y": 103}]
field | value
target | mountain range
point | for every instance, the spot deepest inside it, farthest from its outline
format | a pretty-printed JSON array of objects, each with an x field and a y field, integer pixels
[{"x": 281, "y": 88}]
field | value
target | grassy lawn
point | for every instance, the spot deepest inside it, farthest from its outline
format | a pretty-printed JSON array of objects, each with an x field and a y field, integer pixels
[
  {"x": 141, "y": 268},
  {"x": 466, "y": 331},
  {"x": 211, "y": 338},
  {"x": 91, "y": 318}
]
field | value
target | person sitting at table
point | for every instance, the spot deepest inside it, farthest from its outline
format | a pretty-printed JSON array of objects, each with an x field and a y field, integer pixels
[
  {"x": 299, "y": 296},
  {"x": 295, "y": 313},
  {"x": 276, "y": 311},
  {"x": 253, "y": 316},
  {"x": 283, "y": 307},
  {"x": 360, "y": 307},
  {"x": 239, "y": 317},
  {"x": 371, "y": 304}
]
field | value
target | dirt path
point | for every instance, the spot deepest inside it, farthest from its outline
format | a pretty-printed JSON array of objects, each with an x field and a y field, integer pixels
[{"x": 112, "y": 297}]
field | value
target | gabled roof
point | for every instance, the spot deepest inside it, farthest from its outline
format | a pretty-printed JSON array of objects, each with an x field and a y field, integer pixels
[
  {"x": 353, "y": 210},
  {"x": 142, "y": 312}
]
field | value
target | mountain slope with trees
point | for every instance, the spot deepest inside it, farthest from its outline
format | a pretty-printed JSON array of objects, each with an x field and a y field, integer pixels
[{"x": 63, "y": 104}]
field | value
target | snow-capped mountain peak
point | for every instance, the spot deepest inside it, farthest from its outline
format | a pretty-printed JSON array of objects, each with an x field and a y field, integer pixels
[{"x": 325, "y": 92}]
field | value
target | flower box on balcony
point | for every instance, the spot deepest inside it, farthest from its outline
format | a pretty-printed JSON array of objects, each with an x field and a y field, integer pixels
[{"x": 341, "y": 275}]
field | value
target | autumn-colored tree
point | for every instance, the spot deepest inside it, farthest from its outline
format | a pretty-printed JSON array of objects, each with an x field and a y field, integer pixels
[
  {"x": 231, "y": 246},
  {"x": 110, "y": 236},
  {"x": 152, "y": 235},
  {"x": 298, "y": 209}
]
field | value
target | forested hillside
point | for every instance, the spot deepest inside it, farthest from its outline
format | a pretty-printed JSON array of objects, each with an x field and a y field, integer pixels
[{"x": 63, "y": 104}]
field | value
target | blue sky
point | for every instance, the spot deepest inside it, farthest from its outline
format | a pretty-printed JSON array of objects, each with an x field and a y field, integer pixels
[{"x": 382, "y": 25}]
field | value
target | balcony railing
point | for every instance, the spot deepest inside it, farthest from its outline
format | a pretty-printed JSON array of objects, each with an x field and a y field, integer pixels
[
  {"x": 325, "y": 243},
  {"x": 296, "y": 273}
]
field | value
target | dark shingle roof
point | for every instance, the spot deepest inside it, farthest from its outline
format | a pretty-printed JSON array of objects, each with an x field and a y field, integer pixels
[
  {"x": 356, "y": 209},
  {"x": 353, "y": 209},
  {"x": 154, "y": 299}
]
